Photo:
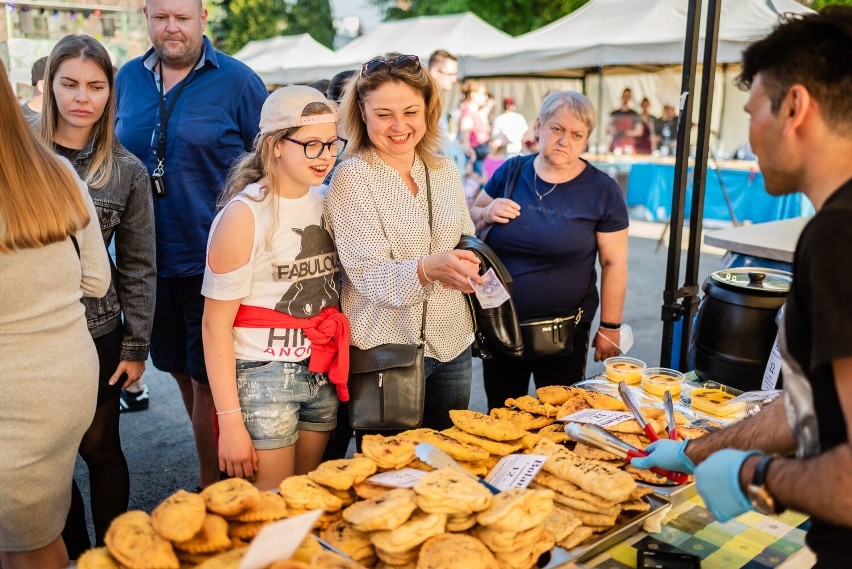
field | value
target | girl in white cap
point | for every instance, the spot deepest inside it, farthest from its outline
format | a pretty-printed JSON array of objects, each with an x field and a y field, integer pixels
[{"x": 275, "y": 343}]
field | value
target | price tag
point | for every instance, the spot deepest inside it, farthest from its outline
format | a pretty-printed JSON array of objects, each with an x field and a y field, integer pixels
[
  {"x": 279, "y": 540},
  {"x": 402, "y": 478},
  {"x": 599, "y": 417},
  {"x": 754, "y": 396},
  {"x": 773, "y": 367},
  {"x": 515, "y": 471}
]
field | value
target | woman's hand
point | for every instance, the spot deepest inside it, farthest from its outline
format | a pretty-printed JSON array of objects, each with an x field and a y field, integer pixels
[
  {"x": 133, "y": 369},
  {"x": 452, "y": 269},
  {"x": 607, "y": 344},
  {"x": 501, "y": 210},
  {"x": 237, "y": 456}
]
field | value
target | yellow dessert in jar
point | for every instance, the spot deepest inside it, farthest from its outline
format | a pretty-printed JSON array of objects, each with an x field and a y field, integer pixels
[
  {"x": 714, "y": 401},
  {"x": 621, "y": 369},
  {"x": 658, "y": 380}
]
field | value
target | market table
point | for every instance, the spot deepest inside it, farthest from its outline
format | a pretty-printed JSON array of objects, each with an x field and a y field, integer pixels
[
  {"x": 751, "y": 540},
  {"x": 775, "y": 240}
]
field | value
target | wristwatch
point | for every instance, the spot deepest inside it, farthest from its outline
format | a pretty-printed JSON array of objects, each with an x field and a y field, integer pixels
[{"x": 757, "y": 492}]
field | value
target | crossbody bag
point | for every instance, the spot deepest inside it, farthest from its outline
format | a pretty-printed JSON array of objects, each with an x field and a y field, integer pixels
[{"x": 387, "y": 383}]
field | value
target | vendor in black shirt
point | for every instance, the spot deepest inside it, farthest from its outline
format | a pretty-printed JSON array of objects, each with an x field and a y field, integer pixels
[{"x": 796, "y": 453}]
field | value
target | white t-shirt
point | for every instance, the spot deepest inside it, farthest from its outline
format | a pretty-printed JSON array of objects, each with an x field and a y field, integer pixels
[
  {"x": 513, "y": 126},
  {"x": 293, "y": 270}
]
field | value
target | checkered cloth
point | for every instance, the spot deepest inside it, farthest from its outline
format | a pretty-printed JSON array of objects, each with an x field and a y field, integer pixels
[{"x": 751, "y": 541}]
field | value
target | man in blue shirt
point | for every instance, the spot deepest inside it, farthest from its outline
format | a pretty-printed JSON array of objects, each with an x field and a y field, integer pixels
[{"x": 187, "y": 112}]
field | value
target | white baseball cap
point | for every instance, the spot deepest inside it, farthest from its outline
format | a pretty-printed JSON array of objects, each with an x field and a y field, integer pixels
[{"x": 283, "y": 109}]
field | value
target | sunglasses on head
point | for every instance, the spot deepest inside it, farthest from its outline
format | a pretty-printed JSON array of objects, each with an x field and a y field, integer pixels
[{"x": 407, "y": 62}]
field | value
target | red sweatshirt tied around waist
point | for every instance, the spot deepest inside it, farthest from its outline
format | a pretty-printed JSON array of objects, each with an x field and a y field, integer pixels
[{"x": 328, "y": 332}]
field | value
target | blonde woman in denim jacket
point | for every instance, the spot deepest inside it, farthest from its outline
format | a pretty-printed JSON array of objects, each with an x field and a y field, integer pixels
[{"x": 77, "y": 121}]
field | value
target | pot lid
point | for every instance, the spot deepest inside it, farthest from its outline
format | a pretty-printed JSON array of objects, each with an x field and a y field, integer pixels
[{"x": 753, "y": 279}]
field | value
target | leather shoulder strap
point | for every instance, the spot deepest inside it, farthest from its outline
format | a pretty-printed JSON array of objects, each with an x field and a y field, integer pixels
[{"x": 515, "y": 165}]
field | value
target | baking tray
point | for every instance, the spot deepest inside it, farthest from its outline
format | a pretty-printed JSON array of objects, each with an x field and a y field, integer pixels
[
  {"x": 674, "y": 494},
  {"x": 604, "y": 541}
]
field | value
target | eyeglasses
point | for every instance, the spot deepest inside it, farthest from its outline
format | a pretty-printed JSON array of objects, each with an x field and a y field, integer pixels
[
  {"x": 315, "y": 148},
  {"x": 407, "y": 62}
]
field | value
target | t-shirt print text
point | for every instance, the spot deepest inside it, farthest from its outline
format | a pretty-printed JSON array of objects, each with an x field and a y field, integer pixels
[{"x": 309, "y": 268}]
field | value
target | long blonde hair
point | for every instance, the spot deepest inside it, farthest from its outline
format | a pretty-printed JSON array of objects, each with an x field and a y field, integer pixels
[
  {"x": 360, "y": 86},
  {"x": 40, "y": 201},
  {"x": 103, "y": 132}
]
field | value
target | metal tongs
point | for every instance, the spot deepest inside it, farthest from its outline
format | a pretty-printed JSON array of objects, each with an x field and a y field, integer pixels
[
  {"x": 668, "y": 407},
  {"x": 600, "y": 438},
  {"x": 627, "y": 397}
]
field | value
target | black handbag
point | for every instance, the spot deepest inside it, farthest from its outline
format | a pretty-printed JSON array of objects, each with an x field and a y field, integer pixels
[
  {"x": 549, "y": 338},
  {"x": 387, "y": 387},
  {"x": 495, "y": 329},
  {"x": 387, "y": 383}
]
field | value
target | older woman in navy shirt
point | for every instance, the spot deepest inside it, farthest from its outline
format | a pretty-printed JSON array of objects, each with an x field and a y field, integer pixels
[{"x": 562, "y": 215}]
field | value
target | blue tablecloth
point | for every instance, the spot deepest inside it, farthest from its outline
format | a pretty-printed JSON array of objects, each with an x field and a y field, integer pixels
[{"x": 650, "y": 185}]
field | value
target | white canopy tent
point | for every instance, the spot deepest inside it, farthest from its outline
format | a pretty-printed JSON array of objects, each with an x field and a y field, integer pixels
[
  {"x": 626, "y": 33},
  {"x": 636, "y": 44},
  {"x": 272, "y": 58},
  {"x": 460, "y": 34}
]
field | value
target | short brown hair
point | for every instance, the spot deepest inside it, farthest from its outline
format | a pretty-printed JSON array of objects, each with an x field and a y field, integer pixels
[
  {"x": 440, "y": 56},
  {"x": 807, "y": 50},
  {"x": 360, "y": 86}
]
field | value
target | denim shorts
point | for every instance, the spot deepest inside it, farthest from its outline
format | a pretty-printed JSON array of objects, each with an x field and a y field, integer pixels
[{"x": 281, "y": 398}]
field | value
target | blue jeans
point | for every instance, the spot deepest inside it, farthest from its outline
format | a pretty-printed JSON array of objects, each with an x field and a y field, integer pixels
[{"x": 447, "y": 388}]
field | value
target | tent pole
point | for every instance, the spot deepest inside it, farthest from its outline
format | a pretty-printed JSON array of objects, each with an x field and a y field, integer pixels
[
  {"x": 699, "y": 184},
  {"x": 600, "y": 108},
  {"x": 672, "y": 309},
  {"x": 722, "y": 107}
]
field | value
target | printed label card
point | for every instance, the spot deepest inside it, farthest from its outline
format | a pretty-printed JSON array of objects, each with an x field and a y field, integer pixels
[
  {"x": 600, "y": 417},
  {"x": 402, "y": 478},
  {"x": 279, "y": 540},
  {"x": 515, "y": 471}
]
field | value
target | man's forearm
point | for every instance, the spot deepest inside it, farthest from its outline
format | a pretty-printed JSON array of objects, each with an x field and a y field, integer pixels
[
  {"x": 817, "y": 486},
  {"x": 767, "y": 431}
]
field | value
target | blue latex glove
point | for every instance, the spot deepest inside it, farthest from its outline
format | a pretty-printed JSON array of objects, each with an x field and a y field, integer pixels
[
  {"x": 666, "y": 454},
  {"x": 718, "y": 482}
]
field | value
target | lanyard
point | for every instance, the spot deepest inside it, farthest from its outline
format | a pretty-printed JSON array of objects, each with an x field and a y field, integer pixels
[{"x": 165, "y": 113}]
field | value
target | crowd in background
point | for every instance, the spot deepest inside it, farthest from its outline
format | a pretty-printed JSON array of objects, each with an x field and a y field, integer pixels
[{"x": 355, "y": 196}]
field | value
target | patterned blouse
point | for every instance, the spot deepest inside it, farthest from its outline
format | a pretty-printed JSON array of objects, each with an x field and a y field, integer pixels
[{"x": 381, "y": 231}]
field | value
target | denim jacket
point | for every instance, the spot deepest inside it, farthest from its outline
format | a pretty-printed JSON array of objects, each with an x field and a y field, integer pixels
[{"x": 126, "y": 212}]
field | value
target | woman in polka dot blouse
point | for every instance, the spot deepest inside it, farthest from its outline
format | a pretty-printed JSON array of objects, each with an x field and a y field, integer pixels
[{"x": 379, "y": 213}]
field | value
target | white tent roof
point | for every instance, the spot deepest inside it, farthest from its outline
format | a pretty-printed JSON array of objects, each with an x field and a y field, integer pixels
[
  {"x": 460, "y": 34},
  {"x": 627, "y": 32},
  {"x": 271, "y": 58}
]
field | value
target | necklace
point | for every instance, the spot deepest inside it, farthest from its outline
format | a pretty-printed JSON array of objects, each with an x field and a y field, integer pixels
[{"x": 535, "y": 187}]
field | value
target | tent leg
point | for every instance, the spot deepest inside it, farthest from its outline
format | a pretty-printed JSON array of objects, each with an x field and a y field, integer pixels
[
  {"x": 600, "y": 109},
  {"x": 699, "y": 186},
  {"x": 672, "y": 309}
]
